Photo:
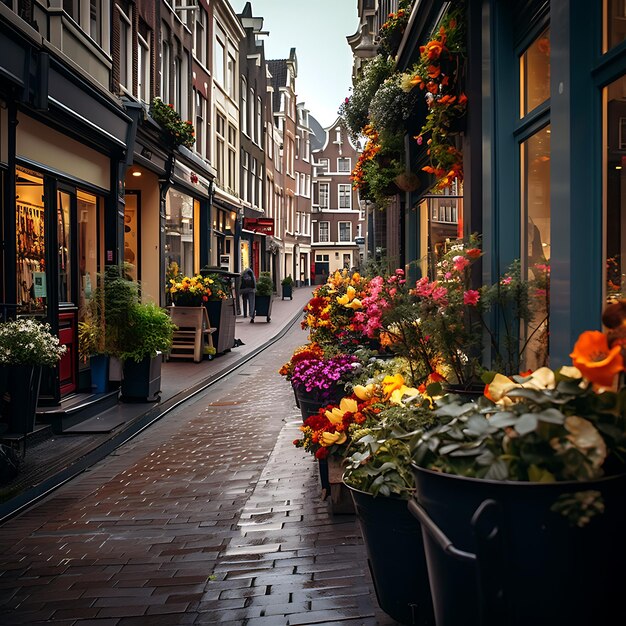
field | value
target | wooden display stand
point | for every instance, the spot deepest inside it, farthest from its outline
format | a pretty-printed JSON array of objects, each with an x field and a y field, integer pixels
[{"x": 193, "y": 330}]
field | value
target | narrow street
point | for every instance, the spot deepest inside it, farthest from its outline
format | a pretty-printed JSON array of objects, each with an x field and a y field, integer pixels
[{"x": 209, "y": 516}]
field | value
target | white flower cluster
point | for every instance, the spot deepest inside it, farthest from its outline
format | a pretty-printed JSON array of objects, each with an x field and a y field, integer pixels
[{"x": 28, "y": 342}]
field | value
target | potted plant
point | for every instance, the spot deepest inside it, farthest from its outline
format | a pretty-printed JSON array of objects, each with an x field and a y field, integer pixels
[
  {"x": 91, "y": 340},
  {"x": 302, "y": 353},
  {"x": 521, "y": 495},
  {"x": 264, "y": 293},
  {"x": 175, "y": 130},
  {"x": 26, "y": 346},
  {"x": 190, "y": 290},
  {"x": 149, "y": 334},
  {"x": 378, "y": 476},
  {"x": 287, "y": 285},
  {"x": 221, "y": 310}
]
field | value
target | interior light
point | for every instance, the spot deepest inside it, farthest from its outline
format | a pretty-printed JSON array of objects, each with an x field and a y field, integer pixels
[
  {"x": 618, "y": 167},
  {"x": 136, "y": 173}
]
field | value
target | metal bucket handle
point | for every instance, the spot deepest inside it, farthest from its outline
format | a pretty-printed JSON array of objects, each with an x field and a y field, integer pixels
[{"x": 487, "y": 525}]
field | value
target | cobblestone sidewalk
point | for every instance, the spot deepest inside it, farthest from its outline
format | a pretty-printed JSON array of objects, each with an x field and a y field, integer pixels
[{"x": 210, "y": 516}]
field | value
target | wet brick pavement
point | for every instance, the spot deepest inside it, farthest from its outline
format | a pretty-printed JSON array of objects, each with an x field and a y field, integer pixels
[{"x": 210, "y": 516}]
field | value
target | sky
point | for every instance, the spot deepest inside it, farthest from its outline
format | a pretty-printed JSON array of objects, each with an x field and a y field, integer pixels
[{"x": 317, "y": 29}]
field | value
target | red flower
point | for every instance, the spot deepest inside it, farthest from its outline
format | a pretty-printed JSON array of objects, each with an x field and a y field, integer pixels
[{"x": 321, "y": 453}]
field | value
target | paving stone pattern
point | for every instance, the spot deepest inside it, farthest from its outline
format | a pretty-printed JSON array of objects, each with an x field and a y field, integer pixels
[{"x": 211, "y": 516}]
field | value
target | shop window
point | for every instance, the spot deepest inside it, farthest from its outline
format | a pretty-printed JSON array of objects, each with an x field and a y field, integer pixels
[
  {"x": 30, "y": 242},
  {"x": 534, "y": 74},
  {"x": 64, "y": 243},
  {"x": 131, "y": 232},
  {"x": 179, "y": 214},
  {"x": 88, "y": 249},
  {"x": 615, "y": 23},
  {"x": 615, "y": 190},
  {"x": 535, "y": 203}
]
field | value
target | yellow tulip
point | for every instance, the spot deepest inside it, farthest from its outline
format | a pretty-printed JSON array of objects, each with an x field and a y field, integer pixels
[
  {"x": 398, "y": 394},
  {"x": 348, "y": 405},
  {"x": 390, "y": 383},
  {"x": 364, "y": 393},
  {"x": 328, "y": 439},
  {"x": 335, "y": 416}
]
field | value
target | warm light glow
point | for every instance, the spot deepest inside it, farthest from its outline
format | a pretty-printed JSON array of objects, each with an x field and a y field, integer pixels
[
  {"x": 618, "y": 167},
  {"x": 136, "y": 173}
]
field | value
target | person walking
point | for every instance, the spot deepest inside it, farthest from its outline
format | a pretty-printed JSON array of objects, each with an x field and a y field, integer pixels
[{"x": 247, "y": 289}]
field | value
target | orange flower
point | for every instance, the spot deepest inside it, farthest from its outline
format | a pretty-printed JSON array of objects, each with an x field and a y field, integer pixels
[{"x": 594, "y": 359}]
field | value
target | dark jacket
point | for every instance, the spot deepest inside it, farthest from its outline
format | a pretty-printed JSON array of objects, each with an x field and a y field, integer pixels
[{"x": 250, "y": 273}]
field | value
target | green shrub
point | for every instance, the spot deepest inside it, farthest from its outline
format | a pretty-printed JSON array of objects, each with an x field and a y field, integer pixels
[
  {"x": 264, "y": 285},
  {"x": 150, "y": 330}
]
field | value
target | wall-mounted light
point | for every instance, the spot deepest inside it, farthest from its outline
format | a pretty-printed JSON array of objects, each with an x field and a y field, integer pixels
[{"x": 136, "y": 173}]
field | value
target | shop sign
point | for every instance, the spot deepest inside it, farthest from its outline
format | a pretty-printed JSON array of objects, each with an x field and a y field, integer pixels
[{"x": 263, "y": 225}]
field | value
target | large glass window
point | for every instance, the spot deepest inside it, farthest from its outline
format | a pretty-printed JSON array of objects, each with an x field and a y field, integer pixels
[
  {"x": 615, "y": 21},
  {"x": 615, "y": 190},
  {"x": 30, "y": 242},
  {"x": 143, "y": 66},
  {"x": 64, "y": 243},
  {"x": 126, "y": 50},
  {"x": 535, "y": 74},
  {"x": 200, "y": 35},
  {"x": 179, "y": 231},
  {"x": 535, "y": 197},
  {"x": 345, "y": 232},
  {"x": 88, "y": 248}
]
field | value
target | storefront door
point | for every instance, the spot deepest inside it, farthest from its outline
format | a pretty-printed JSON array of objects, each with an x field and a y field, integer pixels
[{"x": 67, "y": 289}]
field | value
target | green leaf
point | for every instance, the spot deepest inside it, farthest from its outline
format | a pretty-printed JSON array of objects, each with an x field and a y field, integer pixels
[
  {"x": 488, "y": 376},
  {"x": 540, "y": 475},
  {"x": 502, "y": 419},
  {"x": 449, "y": 448},
  {"x": 477, "y": 425},
  {"x": 498, "y": 471},
  {"x": 538, "y": 397},
  {"x": 434, "y": 389},
  {"x": 526, "y": 423},
  {"x": 551, "y": 415}
]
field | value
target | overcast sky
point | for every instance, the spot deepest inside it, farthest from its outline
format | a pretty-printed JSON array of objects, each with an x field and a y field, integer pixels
[{"x": 317, "y": 29}]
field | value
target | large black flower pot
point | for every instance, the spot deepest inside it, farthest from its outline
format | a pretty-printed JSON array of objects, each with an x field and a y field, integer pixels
[
  {"x": 287, "y": 292},
  {"x": 222, "y": 317},
  {"x": 19, "y": 400},
  {"x": 311, "y": 402},
  {"x": 395, "y": 555},
  {"x": 499, "y": 554},
  {"x": 141, "y": 381},
  {"x": 263, "y": 307}
]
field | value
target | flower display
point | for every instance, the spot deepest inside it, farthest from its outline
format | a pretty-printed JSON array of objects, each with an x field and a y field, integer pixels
[
  {"x": 29, "y": 342},
  {"x": 393, "y": 28},
  {"x": 190, "y": 291},
  {"x": 439, "y": 74},
  {"x": 544, "y": 426},
  {"x": 329, "y": 314},
  {"x": 177, "y": 131},
  {"x": 322, "y": 377},
  {"x": 310, "y": 352}
]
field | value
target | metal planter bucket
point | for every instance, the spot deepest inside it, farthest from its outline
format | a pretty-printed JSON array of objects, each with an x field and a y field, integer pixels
[
  {"x": 395, "y": 555},
  {"x": 498, "y": 554}
]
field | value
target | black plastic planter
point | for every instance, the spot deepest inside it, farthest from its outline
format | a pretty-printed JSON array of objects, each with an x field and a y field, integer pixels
[
  {"x": 395, "y": 554},
  {"x": 498, "y": 554},
  {"x": 142, "y": 380}
]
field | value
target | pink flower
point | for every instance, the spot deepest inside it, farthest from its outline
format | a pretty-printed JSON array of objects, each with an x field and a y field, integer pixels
[
  {"x": 471, "y": 297},
  {"x": 439, "y": 295},
  {"x": 460, "y": 263},
  {"x": 448, "y": 275},
  {"x": 507, "y": 280},
  {"x": 541, "y": 293},
  {"x": 393, "y": 291}
]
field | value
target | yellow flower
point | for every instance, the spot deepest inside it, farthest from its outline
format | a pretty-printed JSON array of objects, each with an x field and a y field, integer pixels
[
  {"x": 364, "y": 393},
  {"x": 398, "y": 394},
  {"x": 328, "y": 439},
  {"x": 347, "y": 297},
  {"x": 500, "y": 386},
  {"x": 346, "y": 405},
  {"x": 391, "y": 383},
  {"x": 354, "y": 305}
]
